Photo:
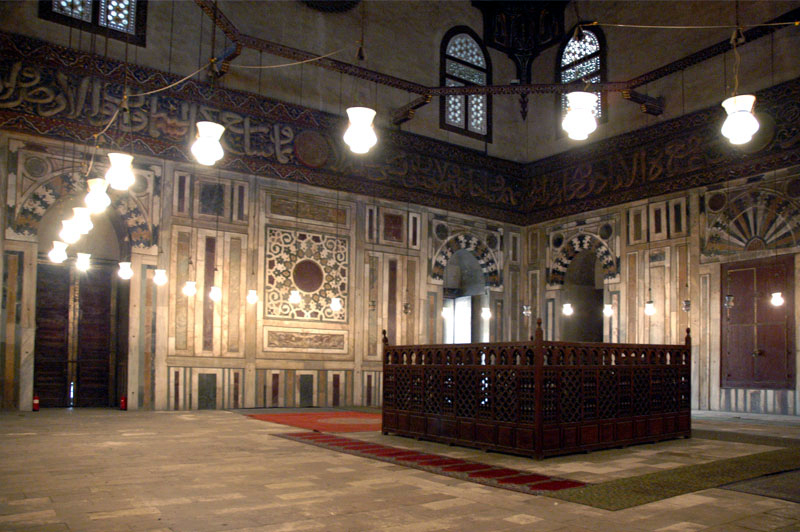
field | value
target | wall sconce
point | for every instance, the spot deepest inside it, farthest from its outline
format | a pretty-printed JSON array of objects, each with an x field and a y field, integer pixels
[
  {"x": 252, "y": 297},
  {"x": 160, "y": 277},
  {"x": 125, "y": 270},
  {"x": 728, "y": 303},
  {"x": 777, "y": 299},
  {"x": 189, "y": 289}
]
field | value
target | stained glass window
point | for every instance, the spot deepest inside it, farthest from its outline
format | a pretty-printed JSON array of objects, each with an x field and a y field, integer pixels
[
  {"x": 581, "y": 59},
  {"x": 119, "y": 19},
  {"x": 465, "y": 63}
]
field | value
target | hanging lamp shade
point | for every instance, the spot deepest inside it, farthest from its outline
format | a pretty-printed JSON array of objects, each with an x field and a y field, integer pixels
[
  {"x": 125, "y": 270},
  {"x": 207, "y": 148},
  {"x": 566, "y": 309},
  {"x": 69, "y": 232},
  {"x": 360, "y": 134},
  {"x": 294, "y": 297},
  {"x": 252, "y": 297},
  {"x": 59, "y": 252},
  {"x": 650, "y": 308},
  {"x": 741, "y": 124},
  {"x": 82, "y": 219},
  {"x": 189, "y": 289},
  {"x": 777, "y": 299},
  {"x": 580, "y": 120},
  {"x": 83, "y": 262},
  {"x": 336, "y": 304},
  {"x": 608, "y": 310},
  {"x": 215, "y": 294},
  {"x": 160, "y": 277},
  {"x": 97, "y": 199},
  {"x": 486, "y": 313},
  {"x": 120, "y": 174}
]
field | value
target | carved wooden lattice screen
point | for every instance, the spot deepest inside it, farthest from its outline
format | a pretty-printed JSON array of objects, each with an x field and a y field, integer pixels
[{"x": 538, "y": 398}]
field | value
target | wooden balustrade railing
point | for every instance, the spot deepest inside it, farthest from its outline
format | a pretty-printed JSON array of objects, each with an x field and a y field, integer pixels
[{"x": 538, "y": 398}]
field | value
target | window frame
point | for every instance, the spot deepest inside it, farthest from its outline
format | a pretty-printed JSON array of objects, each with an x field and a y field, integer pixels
[
  {"x": 138, "y": 38},
  {"x": 444, "y": 76},
  {"x": 601, "y": 41}
]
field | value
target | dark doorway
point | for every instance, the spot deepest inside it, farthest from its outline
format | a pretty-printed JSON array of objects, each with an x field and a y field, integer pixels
[
  {"x": 206, "y": 391},
  {"x": 335, "y": 391},
  {"x": 78, "y": 336},
  {"x": 306, "y": 390},
  {"x": 583, "y": 289},
  {"x": 758, "y": 338}
]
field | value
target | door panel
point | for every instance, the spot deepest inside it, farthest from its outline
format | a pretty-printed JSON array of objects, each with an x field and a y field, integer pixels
[
  {"x": 206, "y": 391},
  {"x": 306, "y": 390},
  {"x": 758, "y": 338},
  {"x": 94, "y": 335},
  {"x": 50, "y": 352}
]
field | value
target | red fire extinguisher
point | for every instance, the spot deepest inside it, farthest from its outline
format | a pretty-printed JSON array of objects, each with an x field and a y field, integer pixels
[
  {"x": 123, "y": 403},
  {"x": 35, "y": 403}
]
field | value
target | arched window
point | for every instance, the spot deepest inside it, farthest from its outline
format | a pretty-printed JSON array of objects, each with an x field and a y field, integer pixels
[
  {"x": 582, "y": 57},
  {"x": 464, "y": 62}
]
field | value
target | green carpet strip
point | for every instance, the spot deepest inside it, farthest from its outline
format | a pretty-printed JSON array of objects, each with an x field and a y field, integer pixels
[{"x": 627, "y": 492}]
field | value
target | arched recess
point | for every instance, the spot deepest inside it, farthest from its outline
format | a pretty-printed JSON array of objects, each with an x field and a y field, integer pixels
[
  {"x": 752, "y": 221},
  {"x": 491, "y": 272},
  {"x": 135, "y": 228},
  {"x": 570, "y": 250}
]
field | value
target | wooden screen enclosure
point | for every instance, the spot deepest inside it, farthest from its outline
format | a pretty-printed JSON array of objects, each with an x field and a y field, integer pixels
[{"x": 538, "y": 398}]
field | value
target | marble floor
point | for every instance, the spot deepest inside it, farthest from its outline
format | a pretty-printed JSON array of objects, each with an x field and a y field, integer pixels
[{"x": 91, "y": 470}]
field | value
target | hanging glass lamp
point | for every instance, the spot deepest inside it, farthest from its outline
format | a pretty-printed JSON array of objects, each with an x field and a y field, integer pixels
[
  {"x": 486, "y": 313},
  {"x": 567, "y": 310},
  {"x": 207, "y": 148},
  {"x": 777, "y": 299},
  {"x": 215, "y": 294},
  {"x": 83, "y": 261},
  {"x": 120, "y": 175},
  {"x": 741, "y": 124},
  {"x": 360, "y": 134},
  {"x": 97, "y": 199},
  {"x": 82, "y": 219},
  {"x": 580, "y": 120},
  {"x": 69, "y": 232},
  {"x": 59, "y": 252},
  {"x": 650, "y": 308},
  {"x": 294, "y": 297},
  {"x": 336, "y": 304},
  {"x": 608, "y": 310}
]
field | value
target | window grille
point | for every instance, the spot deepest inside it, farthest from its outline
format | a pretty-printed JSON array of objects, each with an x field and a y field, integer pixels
[
  {"x": 464, "y": 62},
  {"x": 582, "y": 59},
  {"x": 119, "y": 19}
]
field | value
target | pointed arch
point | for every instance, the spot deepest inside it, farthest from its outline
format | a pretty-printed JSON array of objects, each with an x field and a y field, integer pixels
[
  {"x": 570, "y": 250},
  {"x": 488, "y": 264},
  {"x": 66, "y": 184}
]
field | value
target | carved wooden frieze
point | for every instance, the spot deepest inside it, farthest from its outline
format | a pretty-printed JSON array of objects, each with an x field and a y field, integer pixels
[
  {"x": 69, "y": 94},
  {"x": 676, "y": 155}
]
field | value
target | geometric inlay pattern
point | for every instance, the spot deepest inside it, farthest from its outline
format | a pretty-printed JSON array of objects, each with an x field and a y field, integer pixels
[
  {"x": 491, "y": 273},
  {"x": 754, "y": 220},
  {"x": 285, "y": 249}
]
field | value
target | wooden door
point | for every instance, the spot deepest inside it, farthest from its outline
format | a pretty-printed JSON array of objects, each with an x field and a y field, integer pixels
[
  {"x": 74, "y": 358},
  {"x": 206, "y": 391},
  {"x": 758, "y": 338},
  {"x": 50, "y": 381},
  {"x": 94, "y": 370}
]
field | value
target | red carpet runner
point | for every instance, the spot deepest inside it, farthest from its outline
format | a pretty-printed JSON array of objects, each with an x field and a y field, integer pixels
[
  {"x": 326, "y": 421},
  {"x": 496, "y": 476}
]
